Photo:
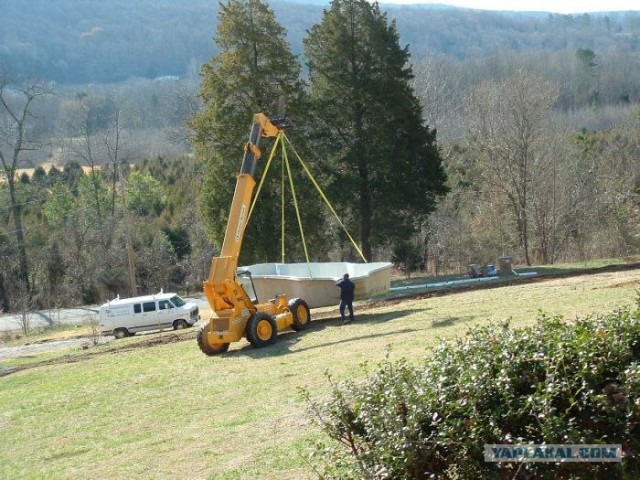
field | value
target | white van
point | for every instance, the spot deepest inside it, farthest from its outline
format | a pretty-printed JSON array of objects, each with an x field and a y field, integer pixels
[{"x": 126, "y": 316}]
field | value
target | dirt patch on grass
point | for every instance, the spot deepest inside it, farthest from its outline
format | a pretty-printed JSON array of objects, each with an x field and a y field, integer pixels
[
  {"x": 629, "y": 283},
  {"x": 114, "y": 348}
]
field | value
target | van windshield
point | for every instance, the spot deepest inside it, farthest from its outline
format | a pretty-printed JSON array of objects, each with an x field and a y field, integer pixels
[{"x": 177, "y": 301}]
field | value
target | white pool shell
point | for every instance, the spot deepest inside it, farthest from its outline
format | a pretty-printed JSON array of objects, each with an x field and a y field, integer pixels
[{"x": 316, "y": 282}]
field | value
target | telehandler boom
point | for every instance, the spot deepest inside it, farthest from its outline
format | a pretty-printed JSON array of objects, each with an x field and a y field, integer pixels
[{"x": 235, "y": 315}]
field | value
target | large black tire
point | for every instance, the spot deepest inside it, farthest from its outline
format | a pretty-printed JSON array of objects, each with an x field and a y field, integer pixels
[
  {"x": 301, "y": 314},
  {"x": 121, "y": 333},
  {"x": 205, "y": 346},
  {"x": 261, "y": 330}
]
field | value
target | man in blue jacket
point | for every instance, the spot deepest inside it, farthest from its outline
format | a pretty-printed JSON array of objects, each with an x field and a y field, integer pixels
[{"x": 347, "y": 294}]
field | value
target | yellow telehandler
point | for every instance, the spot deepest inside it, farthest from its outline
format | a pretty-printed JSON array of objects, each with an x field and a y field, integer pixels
[{"x": 235, "y": 314}]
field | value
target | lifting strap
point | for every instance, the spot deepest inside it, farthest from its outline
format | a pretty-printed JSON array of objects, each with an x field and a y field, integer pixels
[
  {"x": 295, "y": 204},
  {"x": 282, "y": 216},
  {"x": 264, "y": 175},
  {"x": 326, "y": 200},
  {"x": 280, "y": 141}
]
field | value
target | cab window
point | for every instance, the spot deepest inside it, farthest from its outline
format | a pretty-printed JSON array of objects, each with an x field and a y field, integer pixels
[{"x": 164, "y": 305}]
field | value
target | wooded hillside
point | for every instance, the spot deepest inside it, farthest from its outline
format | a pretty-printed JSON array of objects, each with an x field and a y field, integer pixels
[{"x": 90, "y": 41}]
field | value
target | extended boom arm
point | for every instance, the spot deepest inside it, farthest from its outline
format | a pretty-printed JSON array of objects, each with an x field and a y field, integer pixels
[
  {"x": 235, "y": 314},
  {"x": 222, "y": 274}
]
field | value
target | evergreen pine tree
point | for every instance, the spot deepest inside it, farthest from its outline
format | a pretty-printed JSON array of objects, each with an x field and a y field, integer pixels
[
  {"x": 387, "y": 168},
  {"x": 253, "y": 69}
]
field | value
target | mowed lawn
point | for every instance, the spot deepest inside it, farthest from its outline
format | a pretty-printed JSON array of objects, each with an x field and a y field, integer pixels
[{"x": 168, "y": 411}]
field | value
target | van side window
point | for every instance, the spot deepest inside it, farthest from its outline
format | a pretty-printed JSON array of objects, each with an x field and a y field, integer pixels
[
  {"x": 137, "y": 308},
  {"x": 164, "y": 304},
  {"x": 149, "y": 307}
]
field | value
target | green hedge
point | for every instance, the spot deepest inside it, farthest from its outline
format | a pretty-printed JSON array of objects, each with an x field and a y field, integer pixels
[{"x": 557, "y": 382}]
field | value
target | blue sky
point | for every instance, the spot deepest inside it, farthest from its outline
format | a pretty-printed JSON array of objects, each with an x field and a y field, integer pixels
[{"x": 557, "y": 6}]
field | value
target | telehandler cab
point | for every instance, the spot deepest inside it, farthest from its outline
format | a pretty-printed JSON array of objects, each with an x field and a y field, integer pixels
[{"x": 235, "y": 313}]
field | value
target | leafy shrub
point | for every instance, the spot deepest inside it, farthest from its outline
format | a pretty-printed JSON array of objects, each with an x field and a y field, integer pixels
[{"x": 556, "y": 382}]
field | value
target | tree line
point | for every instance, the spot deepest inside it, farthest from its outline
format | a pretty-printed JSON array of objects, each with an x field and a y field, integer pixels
[{"x": 436, "y": 161}]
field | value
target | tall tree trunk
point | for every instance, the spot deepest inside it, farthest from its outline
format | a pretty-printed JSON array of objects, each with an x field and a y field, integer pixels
[
  {"x": 524, "y": 205},
  {"x": 5, "y": 305},
  {"x": 22, "y": 250}
]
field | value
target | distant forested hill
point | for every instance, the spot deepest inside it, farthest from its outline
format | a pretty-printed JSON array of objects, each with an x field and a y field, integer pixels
[{"x": 93, "y": 41}]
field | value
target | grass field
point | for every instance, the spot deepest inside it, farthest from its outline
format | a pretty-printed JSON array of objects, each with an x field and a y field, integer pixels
[{"x": 154, "y": 406}]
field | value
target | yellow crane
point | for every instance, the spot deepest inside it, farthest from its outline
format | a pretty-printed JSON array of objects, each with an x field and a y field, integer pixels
[{"x": 235, "y": 315}]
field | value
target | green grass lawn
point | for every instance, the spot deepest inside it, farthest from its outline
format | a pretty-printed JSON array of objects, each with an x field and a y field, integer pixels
[{"x": 168, "y": 411}]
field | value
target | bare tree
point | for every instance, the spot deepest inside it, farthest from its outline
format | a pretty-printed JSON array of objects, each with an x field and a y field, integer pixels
[
  {"x": 112, "y": 140},
  {"x": 439, "y": 82},
  {"x": 184, "y": 104},
  {"x": 16, "y": 115},
  {"x": 556, "y": 193},
  {"x": 508, "y": 121},
  {"x": 86, "y": 120},
  {"x": 98, "y": 140},
  {"x": 23, "y": 306}
]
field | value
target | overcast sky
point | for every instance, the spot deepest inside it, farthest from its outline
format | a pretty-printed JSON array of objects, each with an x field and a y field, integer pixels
[{"x": 555, "y": 6}]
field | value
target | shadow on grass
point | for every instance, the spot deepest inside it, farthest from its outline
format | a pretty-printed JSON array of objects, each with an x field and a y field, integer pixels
[
  {"x": 450, "y": 321},
  {"x": 286, "y": 340}
]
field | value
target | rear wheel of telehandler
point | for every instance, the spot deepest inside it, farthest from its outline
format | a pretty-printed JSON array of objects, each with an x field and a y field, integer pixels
[
  {"x": 301, "y": 315},
  {"x": 209, "y": 348},
  {"x": 261, "y": 330}
]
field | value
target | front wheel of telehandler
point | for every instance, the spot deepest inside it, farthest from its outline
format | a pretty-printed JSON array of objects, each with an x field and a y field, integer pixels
[
  {"x": 209, "y": 348},
  {"x": 301, "y": 315},
  {"x": 261, "y": 330}
]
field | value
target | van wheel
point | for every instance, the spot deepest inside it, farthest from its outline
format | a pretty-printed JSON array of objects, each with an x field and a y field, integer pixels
[
  {"x": 179, "y": 324},
  {"x": 121, "y": 333}
]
